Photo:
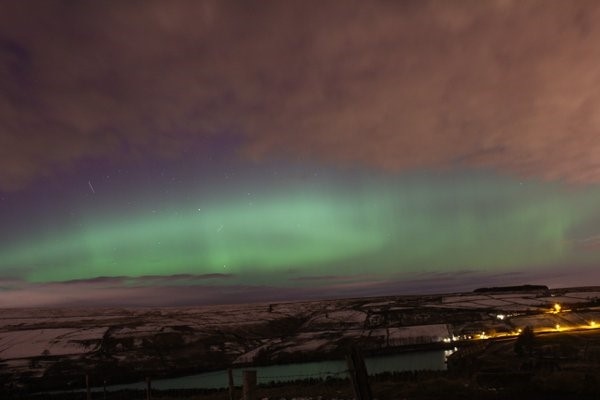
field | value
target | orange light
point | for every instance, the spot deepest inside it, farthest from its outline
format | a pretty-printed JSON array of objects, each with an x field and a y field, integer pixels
[{"x": 557, "y": 308}]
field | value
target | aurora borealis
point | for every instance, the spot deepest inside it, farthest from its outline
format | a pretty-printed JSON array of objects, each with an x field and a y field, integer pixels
[
  {"x": 213, "y": 151},
  {"x": 338, "y": 224},
  {"x": 412, "y": 224}
]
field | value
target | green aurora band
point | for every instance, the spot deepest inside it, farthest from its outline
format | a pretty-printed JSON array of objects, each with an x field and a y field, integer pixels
[{"x": 381, "y": 226}]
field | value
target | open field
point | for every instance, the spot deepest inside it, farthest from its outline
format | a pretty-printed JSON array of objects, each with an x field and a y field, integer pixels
[{"x": 52, "y": 348}]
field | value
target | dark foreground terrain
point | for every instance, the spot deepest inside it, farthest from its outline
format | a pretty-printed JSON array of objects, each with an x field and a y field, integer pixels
[
  {"x": 562, "y": 365},
  {"x": 43, "y": 350}
]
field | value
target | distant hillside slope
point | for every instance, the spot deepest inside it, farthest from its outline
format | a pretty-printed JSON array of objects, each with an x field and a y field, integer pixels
[{"x": 520, "y": 288}]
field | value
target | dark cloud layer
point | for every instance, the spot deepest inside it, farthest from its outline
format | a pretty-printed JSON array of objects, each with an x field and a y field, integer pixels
[
  {"x": 145, "y": 280},
  {"x": 505, "y": 84},
  {"x": 129, "y": 292}
]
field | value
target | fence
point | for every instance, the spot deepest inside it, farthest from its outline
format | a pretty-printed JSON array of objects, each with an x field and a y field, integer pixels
[{"x": 356, "y": 373}]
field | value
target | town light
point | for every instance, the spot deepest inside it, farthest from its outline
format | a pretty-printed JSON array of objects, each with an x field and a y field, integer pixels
[{"x": 557, "y": 308}]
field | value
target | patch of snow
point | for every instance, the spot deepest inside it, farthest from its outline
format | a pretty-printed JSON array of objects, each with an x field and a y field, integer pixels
[
  {"x": 33, "y": 343},
  {"x": 378, "y": 304},
  {"x": 529, "y": 302},
  {"x": 560, "y": 299},
  {"x": 492, "y": 302},
  {"x": 461, "y": 299},
  {"x": 583, "y": 295},
  {"x": 308, "y": 346}
]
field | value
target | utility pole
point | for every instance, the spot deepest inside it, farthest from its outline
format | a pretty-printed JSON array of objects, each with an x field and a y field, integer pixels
[
  {"x": 148, "y": 388},
  {"x": 230, "y": 381},
  {"x": 249, "y": 385},
  {"x": 87, "y": 387},
  {"x": 358, "y": 375}
]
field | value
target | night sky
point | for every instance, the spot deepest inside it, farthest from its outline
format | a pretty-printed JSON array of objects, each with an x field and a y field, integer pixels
[{"x": 172, "y": 152}]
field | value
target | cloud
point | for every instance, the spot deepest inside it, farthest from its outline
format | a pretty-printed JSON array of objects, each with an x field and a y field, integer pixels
[
  {"x": 170, "y": 291},
  {"x": 591, "y": 243},
  {"x": 84, "y": 294},
  {"x": 391, "y": 85},
  {"x": 148, "y": 279},
  {"x": 330, "y": 278}
]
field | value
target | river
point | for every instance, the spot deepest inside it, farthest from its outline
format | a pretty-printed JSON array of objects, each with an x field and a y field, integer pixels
[{"x": 433, "y": 360}]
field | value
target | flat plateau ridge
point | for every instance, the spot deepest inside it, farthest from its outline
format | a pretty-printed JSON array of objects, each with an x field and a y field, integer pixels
[{"x": 49, "y": 348}]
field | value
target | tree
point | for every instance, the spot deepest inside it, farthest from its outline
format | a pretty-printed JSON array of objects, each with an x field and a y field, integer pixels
[{"x": 525, "y": 342}]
